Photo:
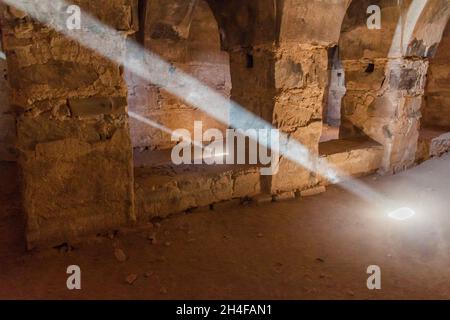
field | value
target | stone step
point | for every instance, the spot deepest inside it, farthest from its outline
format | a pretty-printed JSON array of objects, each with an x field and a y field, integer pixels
[
  {"x": 355, "y": 157},
  {"x": 433, "y": 142},
  {"x": 162, "y": 188}
]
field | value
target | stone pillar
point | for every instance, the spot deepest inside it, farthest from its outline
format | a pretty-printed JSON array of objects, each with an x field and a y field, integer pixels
[
  {"x": 252, "y": 78},
  {"x": 73, "y": 138},
  {"x": 383, "y": 102},
  {"x": 301, "y": 78},
  {"x": 284, "y": 85}
]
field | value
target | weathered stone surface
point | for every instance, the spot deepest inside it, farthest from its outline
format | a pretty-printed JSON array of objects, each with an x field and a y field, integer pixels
[
  {"x": 7, "y": 120},
  {"x": 165, "y": 190},
  {"x": 351, "y": 157},
  {"x": 432, "y": 143},
  {"x": 313, "y": 191},
  {"x": 74, "y": 150},
  {"x": 95, "y": 106},
  {"x": 73, "y": 188},
  {"x": 283, "y": 196},
  {"x": 436, "y": 105}
]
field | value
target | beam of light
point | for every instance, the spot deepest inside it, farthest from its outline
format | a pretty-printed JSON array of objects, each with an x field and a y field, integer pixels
[
  {"x": 159, "y": 126},
  {"x": 111, "y": 44},
  {"x": 402, "y": 214}
]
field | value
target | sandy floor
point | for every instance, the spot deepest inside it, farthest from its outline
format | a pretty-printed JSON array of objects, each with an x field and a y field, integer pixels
[{"x": 313, "y": 248}]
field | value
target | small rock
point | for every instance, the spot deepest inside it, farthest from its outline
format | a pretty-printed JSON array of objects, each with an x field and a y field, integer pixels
[
  {"x": 320, "y": 260},
  {"x": 158, "y": 225},
  {"x": 152, "y": 238},
  {"x": 168, "y": 243},
  {"x": 191, "y": 240},
  {"x": 148, "y": 274},
  {"x": 263, "y": 199},
  {"x": 120, "y": 255},
  {"x": 285, "y": 196},
  {"x": 260, "y": 235},
  {"x": 351, "y": 293},
  {"x": 131, "y": 278},
  {"x": 65, "y": 248},
  {"x": 163, "y": 290},
  {"x": 313, "y": 191}
]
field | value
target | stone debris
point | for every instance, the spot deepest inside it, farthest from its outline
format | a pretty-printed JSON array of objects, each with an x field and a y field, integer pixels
[
  {"x": 263, "y": 199},
  {"x": 120, "y": 255},
  {"x": 131, "y": 278},
  {"x": 313, "y": 192},
  {"x": 152, "y": 238},
  {"x": 285, "y": 196}
]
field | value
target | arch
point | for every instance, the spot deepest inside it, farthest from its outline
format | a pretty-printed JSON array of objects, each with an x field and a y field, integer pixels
[
  {"x": 434, "y": 138},
  {"x": 305, "y": 22},
  {"x": 385, "y": 74},
  {"x": 186, "y": 34}
]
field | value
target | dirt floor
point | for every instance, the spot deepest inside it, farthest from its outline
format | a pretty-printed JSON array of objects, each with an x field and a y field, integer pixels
[{"x": 313, "y": 248}]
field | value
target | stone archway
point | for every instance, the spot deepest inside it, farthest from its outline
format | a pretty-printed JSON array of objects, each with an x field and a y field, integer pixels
[
  {"x": 386, "y": 72},
  {"x": 434, "y": 138},
  {"x": 192, "y": 46}
]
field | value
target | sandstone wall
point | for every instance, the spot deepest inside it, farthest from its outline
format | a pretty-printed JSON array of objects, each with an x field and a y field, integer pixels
[
  {"x": 436, "y": 107},
  {"x": 73, "y": 138},
  {"x": 7, "y": 121}
]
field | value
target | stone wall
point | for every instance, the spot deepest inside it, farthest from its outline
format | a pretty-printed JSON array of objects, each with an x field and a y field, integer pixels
[
  {"x": 436, "y": 107},
  {"x": 7, "y": 121},
  {"x": 73, "y": 139}
]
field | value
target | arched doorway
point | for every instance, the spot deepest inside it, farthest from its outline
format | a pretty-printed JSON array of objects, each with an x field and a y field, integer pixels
[
  {"x": 434, "y": 139},
  {"x": 193, "y": 47}
]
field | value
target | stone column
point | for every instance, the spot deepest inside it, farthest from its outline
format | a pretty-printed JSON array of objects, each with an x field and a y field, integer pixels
[
  {"x": 73, "y": 138},
  {"x": 301, "y": 79},
  {"x": 284, "y": 85},
  {"x": 383, "y": 102}
]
